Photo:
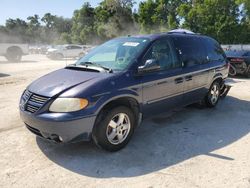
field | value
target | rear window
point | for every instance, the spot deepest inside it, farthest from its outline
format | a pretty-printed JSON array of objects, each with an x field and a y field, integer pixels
[
  {"x": 214, "y": 50},
  {"x": 190, "y": 49}
]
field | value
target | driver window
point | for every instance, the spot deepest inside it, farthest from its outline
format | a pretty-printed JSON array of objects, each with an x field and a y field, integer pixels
[{"x": 162, "y": 54}]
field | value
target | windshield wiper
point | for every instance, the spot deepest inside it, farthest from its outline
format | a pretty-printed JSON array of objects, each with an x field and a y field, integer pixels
[
  {"x": 80, "y": 67},
  {"x": 98, "y": 65}
]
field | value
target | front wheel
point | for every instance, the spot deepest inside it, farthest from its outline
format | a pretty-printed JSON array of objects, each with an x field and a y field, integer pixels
[
  {"x": 114, "y": 128},
  {"x": 213, "y": 95}
]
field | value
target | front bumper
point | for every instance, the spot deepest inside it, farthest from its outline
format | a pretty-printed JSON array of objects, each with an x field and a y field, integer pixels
[{"x": 52, "y": 128}]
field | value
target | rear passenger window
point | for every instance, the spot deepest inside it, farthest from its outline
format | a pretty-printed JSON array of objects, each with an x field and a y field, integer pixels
[
  {"x": 190, "y": 49},
  {"x": 214, "y": 50}
]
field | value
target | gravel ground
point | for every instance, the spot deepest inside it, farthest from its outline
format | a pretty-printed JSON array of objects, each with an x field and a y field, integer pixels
[{"x": 193, "y": 147}]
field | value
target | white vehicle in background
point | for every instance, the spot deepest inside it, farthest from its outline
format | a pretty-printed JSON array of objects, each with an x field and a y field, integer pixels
[
  {"x": 13, "y": 52},
  {"x": 66, "y": 51}
]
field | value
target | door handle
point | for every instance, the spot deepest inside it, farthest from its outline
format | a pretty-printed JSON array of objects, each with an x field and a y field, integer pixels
[
  {"x": 178, "y": 80},
  {"x": 163, "y": 82},
  {"x": 188, "y": 78}
]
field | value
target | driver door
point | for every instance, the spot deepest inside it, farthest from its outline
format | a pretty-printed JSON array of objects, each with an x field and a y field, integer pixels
[{"x": 162, "y": 89}]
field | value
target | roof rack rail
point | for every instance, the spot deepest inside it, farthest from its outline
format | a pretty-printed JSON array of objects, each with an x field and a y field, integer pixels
[{"x": 184, "y": 31}]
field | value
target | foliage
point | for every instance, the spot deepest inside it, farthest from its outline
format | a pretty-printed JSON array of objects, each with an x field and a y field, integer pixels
[
  {"x": 217, "y": 18},
  {"x": 226, "y": 20}
]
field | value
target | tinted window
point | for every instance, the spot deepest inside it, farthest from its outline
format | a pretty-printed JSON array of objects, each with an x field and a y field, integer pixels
[
  {"x": 214, "y": 50},
  {"x": 190, "y": 49},
  {"x": 163, "y": 54}
]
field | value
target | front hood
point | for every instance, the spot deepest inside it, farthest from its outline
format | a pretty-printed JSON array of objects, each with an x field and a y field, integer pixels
[{"x": 59, "y": 81}]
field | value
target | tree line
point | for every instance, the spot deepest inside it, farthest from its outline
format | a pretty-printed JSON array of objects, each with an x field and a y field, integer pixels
[{"x": 226, "y": 20}]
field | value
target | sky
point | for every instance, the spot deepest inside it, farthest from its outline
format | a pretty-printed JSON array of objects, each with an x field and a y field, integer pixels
[{"x": 24, "y": 8}]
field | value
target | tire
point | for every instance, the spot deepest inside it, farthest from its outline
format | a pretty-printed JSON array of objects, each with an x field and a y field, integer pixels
[
  {"x": 14, "y": 54},
  {"x": 213, "y": 95},
  {"x": 112, "y": 134},
  {"x": 232, "y": 71}
]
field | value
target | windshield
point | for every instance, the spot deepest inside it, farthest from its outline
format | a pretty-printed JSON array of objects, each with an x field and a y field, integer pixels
[{"x": 116, "y": 54}]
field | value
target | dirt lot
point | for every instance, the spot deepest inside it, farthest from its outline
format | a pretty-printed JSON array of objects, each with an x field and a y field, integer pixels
[{"x": 194, "y": 147}]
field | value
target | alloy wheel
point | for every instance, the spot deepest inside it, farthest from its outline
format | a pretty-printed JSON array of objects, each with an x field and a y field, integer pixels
[{"x": 118, "y": 128}]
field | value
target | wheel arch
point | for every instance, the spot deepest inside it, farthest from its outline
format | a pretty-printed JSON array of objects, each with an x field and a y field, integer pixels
[
  {"x": 127, "y": 101},
  {"x": 14, "y": 48},
  {"x": 218, "y": 77}
]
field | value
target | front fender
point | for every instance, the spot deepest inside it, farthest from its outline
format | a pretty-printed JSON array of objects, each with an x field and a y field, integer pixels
[{"x": 104, "y": 100}]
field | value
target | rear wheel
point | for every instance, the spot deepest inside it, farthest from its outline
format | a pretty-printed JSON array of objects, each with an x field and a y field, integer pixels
[
  {"x": 114, "y": 128},
  {"x": 213, "y": 95}
]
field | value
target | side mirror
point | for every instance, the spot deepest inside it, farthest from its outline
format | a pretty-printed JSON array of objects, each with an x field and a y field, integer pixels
[{"x": 149, "y": 66}]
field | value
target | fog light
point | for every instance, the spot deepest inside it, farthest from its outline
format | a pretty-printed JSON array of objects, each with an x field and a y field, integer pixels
[{"x": 60, "y": 138}]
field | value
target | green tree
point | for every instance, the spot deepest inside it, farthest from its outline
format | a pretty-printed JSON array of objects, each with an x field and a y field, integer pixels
[
  {"x": 83, "y": 24},
  {"x": 49, "y": 20},
  {"x": 17, "y": 29},
  {"x": 33, "y": 31},
  {"x": 146, "y": 16},
  {"x": 217, "y": 18},
  {"x": 159, "y": 15},
  {"x": 114, "y": 18}
]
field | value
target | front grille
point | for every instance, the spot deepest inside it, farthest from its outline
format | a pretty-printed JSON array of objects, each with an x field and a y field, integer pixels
[
  {"x": 31, "y": 108},
  {"x": 38, "y": 99},
  {"x": 26, "y": 95},
  {"x": 32, "y": 102}
]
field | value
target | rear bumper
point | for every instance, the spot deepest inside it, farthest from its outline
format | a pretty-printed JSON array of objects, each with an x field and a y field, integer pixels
[
  {"x": 227, "y": 84},
  {"x": 50, "y": 128}
]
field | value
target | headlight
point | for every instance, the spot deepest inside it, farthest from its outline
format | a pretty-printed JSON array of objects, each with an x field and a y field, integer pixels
[{"x": 68, "y": 105}]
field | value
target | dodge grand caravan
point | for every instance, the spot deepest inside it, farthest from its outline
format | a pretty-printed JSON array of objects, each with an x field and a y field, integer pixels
[{"x": 106, "y": 93}]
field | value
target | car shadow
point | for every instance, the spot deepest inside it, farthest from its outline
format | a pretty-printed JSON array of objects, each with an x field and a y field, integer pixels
[
  {"x": 159, "y": 142},
  {"x": 4, "y": 75}
]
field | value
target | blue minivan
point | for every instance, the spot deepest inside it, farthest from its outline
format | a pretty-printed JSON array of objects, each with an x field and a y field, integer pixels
[{"x": 106, "y": 94}]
